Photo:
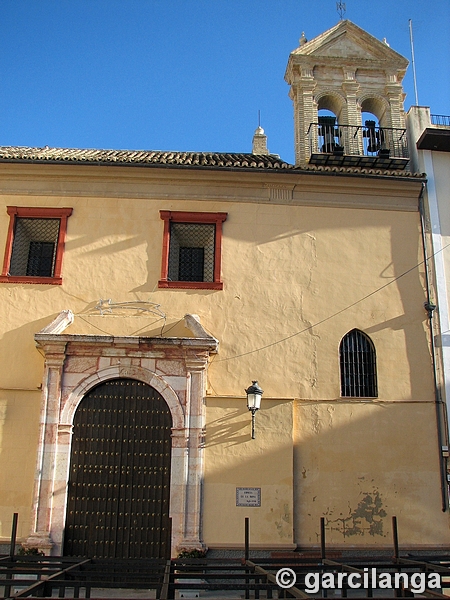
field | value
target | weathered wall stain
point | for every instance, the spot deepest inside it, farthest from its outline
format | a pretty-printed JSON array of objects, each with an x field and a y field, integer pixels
[
  {"x": 366, "y": 518},
  {"x": 284, "y": 521}
]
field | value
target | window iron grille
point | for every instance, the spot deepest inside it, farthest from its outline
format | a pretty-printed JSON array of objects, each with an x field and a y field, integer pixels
[
  {"x": 191, "y": 264},
  {"x": 34, "y": 247},
  {"x": 191, "y": 253},
  {"x": 40, "y": 259},
  {"x": 358, "y": 366}
]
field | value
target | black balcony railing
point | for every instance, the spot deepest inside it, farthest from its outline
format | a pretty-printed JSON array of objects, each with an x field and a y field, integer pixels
[
  {"x": 366, "y": 146},
  {"x": 441, "y": 120}
]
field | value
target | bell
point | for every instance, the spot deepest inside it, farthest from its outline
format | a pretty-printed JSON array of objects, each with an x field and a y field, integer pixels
[
  {"x": 372, "y": 135},
  {"x": 327, "y": 129}
]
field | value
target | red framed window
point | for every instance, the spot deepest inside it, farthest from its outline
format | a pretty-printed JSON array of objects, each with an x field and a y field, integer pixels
[
  {"x": 192, "y": 249},
  {"x": 35, "y": 245}
]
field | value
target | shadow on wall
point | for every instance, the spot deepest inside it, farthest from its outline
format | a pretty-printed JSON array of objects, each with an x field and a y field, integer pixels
[
  {"x": 19, "y": 432},
  {"x": 22, "y": 364},
  {"x": 356, "y": 464}
]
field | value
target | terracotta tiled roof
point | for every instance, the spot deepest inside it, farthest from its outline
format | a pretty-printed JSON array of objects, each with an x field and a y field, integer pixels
[
  {"x": 147, "y": 158},
  {"x": 144, "y": 157}
]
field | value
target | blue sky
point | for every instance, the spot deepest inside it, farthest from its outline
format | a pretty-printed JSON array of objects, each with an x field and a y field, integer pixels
[{"x": 184, "y": 74}]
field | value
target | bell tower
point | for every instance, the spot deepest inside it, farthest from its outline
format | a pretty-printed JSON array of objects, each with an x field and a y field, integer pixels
[{"x": 334, "y": 79}]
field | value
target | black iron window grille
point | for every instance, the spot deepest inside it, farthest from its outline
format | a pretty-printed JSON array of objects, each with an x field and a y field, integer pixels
[
  {"x": 191, "y": 253},
  {"x": 34, "y": 247},
  {"x": 358, "y": 366}
]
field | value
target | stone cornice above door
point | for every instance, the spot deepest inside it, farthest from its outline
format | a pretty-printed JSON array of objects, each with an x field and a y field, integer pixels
[{"x": 53, "y": 332}]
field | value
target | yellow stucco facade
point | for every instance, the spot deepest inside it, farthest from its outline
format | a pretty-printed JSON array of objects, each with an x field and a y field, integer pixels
[
  {"x": 308, "y": 254},
  {"x": 298, "y": 273}
]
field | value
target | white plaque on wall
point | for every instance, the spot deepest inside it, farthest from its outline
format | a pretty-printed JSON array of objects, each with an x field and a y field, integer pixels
[{"x": 248, "y": 496}]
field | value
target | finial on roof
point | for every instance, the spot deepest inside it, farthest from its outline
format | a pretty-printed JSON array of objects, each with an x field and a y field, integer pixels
[
  {"x": 303, "y": 39},
  {"x": 259, "y": 139},
  {"x": 340, "y": 6}
]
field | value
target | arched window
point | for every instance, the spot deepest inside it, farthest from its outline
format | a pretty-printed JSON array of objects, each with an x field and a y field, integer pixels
[
  {"x": 378, "y": 136},
  {"x": 358, "y": 365}
]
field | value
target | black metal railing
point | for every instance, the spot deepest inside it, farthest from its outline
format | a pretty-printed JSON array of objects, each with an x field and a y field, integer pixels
[
  {"x": 441, "y": 120},
  {"x": 366, "y": 573},
  {"x": 387, "y": 146}
]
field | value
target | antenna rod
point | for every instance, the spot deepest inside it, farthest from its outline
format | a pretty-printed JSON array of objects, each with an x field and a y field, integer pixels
[
  {"x": 259, "y": 118},
  {"x": 413, "y": 62}
]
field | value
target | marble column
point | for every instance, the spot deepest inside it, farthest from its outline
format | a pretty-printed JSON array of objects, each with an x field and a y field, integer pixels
[
  {"x": 47, "y": 449},
  {"x": 195, "y": 416},
  {"x": 179, "y": 472}
]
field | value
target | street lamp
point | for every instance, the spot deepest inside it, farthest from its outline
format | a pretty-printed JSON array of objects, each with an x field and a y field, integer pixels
[{"x": 254, "y": 395}]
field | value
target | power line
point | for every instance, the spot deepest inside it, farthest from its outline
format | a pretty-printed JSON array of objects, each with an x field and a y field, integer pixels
[{"x": 334, "y": 314}]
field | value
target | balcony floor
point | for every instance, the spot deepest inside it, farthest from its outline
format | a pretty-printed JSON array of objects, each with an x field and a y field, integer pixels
[{"x": 363, "y": 162}]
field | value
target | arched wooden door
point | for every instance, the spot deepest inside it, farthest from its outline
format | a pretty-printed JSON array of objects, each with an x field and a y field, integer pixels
[{"x": 119, "y": 481}]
